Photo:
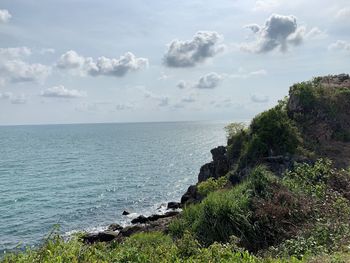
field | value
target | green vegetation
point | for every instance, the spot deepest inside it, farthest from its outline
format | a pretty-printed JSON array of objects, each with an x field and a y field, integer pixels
[
  {"x": 238, "y": 212},
  {"x": 211, "y": 185},
  {"x": 270, "y": 133},
  {"x": 315, "y": 101}
]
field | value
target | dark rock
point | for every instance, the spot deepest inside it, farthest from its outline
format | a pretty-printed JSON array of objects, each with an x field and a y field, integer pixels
[
  {"x": 148, "y": 224},
  {"x": 140, "y": 220},
  {"x": 125, "y": 213},
  {"x": 221, "y": 168},
  {"x": 173, "y": 205},
  {"x": 191, "y": 196},
  {"x": 167, "y": 214},
  {"x": 217, "y": 168},
  {"x": 114, "y": 227},
  {"x": 104, "y": 236},
  {"x": 218, "y": 153},
  {"x": 206, "y": 171},
  {"x": 130, "y": 230}
]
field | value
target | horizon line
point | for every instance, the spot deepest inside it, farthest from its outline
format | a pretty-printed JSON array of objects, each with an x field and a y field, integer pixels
[{"x": 124, "y": 122}]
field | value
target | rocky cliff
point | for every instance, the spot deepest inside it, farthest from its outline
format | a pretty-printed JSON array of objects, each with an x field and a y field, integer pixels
[{"x": 313, "y": 122}]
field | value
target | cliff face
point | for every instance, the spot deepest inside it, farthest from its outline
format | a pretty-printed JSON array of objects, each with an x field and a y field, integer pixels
[{"x": 313, "y": 122}]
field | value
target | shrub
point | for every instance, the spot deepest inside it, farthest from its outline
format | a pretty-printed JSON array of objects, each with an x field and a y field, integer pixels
[
  {"x": 310, "y": 179},
  {"x": 274, "y": 129},
  {"x": 211, "y": 185},
  {"x": 234, "y": 128}
]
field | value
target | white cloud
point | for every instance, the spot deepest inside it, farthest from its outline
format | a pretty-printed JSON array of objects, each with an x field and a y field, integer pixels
[
  {"x": 316, "y": 33},
  {"x": 14, "y": 52},
  {"x": 343, "y": 14},
  {"x": 71, "y": 60},
  {"x": 5, "y": 16},
  {"x": 13, "y": 68},
  {"x": 61, "y": 92},
  {"x": 259, "y": 98},
  {"x": 279, "y": 32},
  {"x": 209, "y": 81},
  {"x": 189, "y": 53},
  {"x": 243, "y": 74},
  {"x": 117, "y": 67},
  {"x": 340, "y": 45},
  {"x": 20, "y": 71}
]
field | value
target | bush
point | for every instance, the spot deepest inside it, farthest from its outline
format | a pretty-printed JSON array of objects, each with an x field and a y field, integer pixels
[
  {"x": 276, "y": 131},
  {"x": 234, "y": 128},
  {"x": 271, "y": 133},
  {"x": 310, "y": 179},
  {"x": 211, "y": 185}
]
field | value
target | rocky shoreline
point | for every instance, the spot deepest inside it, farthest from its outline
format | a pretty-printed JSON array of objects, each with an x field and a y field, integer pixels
[
  {"x": 218, "y": 167},
  {"x": 116, "y": 232}
]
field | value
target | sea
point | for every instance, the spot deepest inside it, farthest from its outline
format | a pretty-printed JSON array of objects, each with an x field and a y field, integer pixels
[{"x": 81, "y": 177}]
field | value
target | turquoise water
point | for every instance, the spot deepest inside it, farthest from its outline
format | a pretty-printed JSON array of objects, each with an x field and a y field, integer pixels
[{"x": 83, "y": 176}]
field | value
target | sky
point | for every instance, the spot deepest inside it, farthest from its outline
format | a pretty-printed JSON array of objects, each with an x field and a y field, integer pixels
[{"x": 84, "y": 61}]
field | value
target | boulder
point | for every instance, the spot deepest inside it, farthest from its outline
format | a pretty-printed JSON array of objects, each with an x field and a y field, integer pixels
[
  {"x": 191, "y": 196},
  {"x": 140, "y": 220},
  {"x": 104, "y": 236},
  {"x": 125, "y": 213},
  {"x": 173, "y": 205}
]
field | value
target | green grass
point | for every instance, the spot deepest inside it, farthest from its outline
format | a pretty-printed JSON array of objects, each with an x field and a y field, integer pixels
[
  {"x": 211, "y": 185},
  {"x": 151, "y": 247}
]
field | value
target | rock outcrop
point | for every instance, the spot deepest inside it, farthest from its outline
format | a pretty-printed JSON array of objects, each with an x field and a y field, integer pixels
[{"x": 218, "y": 167}]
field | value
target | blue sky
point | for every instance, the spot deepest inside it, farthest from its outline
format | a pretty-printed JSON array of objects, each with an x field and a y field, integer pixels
[{"x": 77, "y": 61}]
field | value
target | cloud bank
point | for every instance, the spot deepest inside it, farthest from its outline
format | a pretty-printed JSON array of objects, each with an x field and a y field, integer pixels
[
  {"x": 103, "y": 66},
  {"x": 14, "y": 69},
  {"x": 21, "y": 71},
  {"x": 340, "y": 45},
  {"x": 189, "y": 53},
  {"x": 61, "y": 92}
]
